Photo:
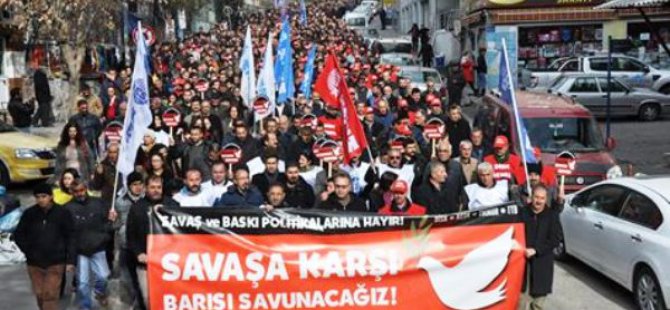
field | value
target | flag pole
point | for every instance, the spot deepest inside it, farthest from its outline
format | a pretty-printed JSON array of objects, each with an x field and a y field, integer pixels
[{"x": 517, "y": 118}]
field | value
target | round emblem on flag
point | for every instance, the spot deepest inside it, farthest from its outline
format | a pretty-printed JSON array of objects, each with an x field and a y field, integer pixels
[{"x": 140, "y": 94}]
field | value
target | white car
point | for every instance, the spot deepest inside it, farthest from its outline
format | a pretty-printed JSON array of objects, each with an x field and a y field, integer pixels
[
  {"x": 418, "y": 76},
  {"x": 621, "y": 227},
  {"x": 399, "y": 59}
]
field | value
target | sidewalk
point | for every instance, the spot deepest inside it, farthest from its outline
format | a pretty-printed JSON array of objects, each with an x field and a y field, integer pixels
[{"x": 48, "y": 132}]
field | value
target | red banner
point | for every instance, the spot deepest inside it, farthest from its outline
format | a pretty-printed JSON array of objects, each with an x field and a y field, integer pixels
[{"x": 216, "y": 259}]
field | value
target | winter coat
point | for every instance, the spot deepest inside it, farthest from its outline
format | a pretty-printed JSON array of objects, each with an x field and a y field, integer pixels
[
  {"x": 262, "y": 181},
  {"x": 137, "y": 225},
  {"x": 90, "y": 126},
  {"x": 104, "y": 182},
  {"x": 86, "y": 162},
  {"x": 193, "y": 156},
  {"x": 301, "y": 196},
  {"x": 356, "y": 204},
  {"x": 543, "y": 233},
  {"x": 122, "y": 206},
  {"x": 92, "y": 228},
  {"x": 392, "y": 209},
  {"x": 46, "y": 238},
  {"x": 458, "y": 131},
  {"x": 42, "y": 90},
  {"x": 233, "y": 198},
  {"x": 20, "y": 112}
]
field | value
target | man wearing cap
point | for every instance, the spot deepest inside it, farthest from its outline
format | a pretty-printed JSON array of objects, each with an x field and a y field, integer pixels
[
  {"x": 401, "y": 205},
  {"x": 506, "y": 166},
  {"x": 45, "y": 234},
  {"x": 332, "y": 122},
  {"x": 555, "y": 195}
]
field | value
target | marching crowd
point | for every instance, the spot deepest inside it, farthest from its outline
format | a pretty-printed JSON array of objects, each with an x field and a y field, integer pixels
[{"x": 404, "y": 172}]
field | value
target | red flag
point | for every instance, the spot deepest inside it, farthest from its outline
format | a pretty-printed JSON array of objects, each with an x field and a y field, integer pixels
[{"x": 332, "y": 87}]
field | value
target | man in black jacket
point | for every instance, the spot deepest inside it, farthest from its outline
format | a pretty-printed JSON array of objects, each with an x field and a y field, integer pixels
[
  {"x": 45, "y": 234},
  {"x": 90, "y": 125},
  {"x": 93, "y": 230},
  {"x": 270, "y": 175},
  {"x": 457, "y": 127},
  {"x": 433, "y": 194},
  {"x": 343, "y": 199},
  {"x": 299, "y": 194},
  {"x": 19, "y": 110},
  {"x": 137, "y": 226},
  {"x": 43, "y": 95},
  {"x": 543, "y": 231}
]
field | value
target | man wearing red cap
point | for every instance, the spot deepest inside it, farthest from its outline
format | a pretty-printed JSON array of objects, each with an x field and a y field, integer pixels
[
  {"x": 401, "y": 205},
  {"x": 506, "y": 166},
  {"x": 332, "y": 123}
]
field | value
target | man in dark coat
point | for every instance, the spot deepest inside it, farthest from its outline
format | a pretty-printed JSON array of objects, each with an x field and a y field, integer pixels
[
  {"x": 432, "y": 193},
  {"x": 242, "y": 194},
  {"x": 271, "y": 174},
  {"x": 299, "y": 194},
  {"x": 194, "y": 153},
  {"x": 90, "y": 125},
  {"x": 543, "y": 233},
  {"x": 19, "y": 110},
  {"x": 250, "y": 146},
  {"x": 457, "y": 127},
  {"x": 137, "y": 226},
  {"x": 43, "y": 95},
  {"x": 342, "y": 199},
  {"x": 45, "y": 234}
]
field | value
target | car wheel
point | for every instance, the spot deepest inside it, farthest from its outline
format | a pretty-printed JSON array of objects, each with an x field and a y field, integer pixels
[
  {"x": 649, "y": 112},
  {"x": 4, "y": 176},
  {"x": 648, "y": 294},
  {"x": 560, "y": 252}
]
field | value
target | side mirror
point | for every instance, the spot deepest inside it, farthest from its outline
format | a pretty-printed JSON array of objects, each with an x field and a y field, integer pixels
[
  {"x": 646, "y": 69},
  {"x": 610, "y": 144}
]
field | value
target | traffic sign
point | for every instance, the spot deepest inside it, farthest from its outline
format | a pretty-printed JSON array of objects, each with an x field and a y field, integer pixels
[
  {"x": 231, "y": 153},
  {"x": 113, "y": 131},
  {"x": 149, "y": 35},
  {"x": 171, "y": 117},
  {"x": 565, "y": 163}
]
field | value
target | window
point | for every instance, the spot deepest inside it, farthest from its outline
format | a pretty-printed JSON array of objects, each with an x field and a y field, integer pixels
[
  {"x": 606, "y": 199},
  {"x": 584, "y": 85},
  {"x": 641, "y": 210},
  {"x": 615, "y": 86},
  {"x": 557, "y": 134},
  {"x": 571, "y": 66},
  {"x": 626, "y": 64},
  {"x": 599, "y": 64}
]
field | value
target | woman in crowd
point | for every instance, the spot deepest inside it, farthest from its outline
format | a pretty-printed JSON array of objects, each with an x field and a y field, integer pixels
[
  {"x": 63, "y": 191},
  {"x": 73, "y": 152}
]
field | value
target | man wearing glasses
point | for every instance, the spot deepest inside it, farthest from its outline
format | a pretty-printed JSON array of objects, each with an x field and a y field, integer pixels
[{"x": 342, "y": 199}]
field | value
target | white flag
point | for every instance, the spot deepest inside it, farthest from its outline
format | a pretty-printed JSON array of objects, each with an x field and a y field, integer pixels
[
  {"x": 248, "y": 87},
  {"x": 266, "y": 80},
  {"x": 138, "y": 115}
]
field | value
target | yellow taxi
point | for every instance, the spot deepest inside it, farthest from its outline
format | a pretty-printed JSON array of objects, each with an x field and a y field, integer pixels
[{"x": 24, "y": 157}]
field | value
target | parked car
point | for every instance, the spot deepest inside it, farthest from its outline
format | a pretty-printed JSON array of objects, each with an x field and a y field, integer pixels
[
  {"x": 357, "y": 21},
  {"x": 419, "y": 76},
  {"x": 24, "y": 157},
  {"x": 393, "y": 45},
  {"x": 399, "y": 59},
  {"x": 627, "y": 69},
  {"x": 620, "y": 228},
  {"x": 555, "y": 124},
  {"x": 591, "y": 92}
]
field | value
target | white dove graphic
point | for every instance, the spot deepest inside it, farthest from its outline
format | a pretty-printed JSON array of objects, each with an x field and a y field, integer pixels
[{"x": 460, "y": 287}]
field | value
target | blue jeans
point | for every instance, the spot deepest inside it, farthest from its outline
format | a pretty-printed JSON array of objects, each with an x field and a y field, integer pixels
[{"x": 97, "y": 263}]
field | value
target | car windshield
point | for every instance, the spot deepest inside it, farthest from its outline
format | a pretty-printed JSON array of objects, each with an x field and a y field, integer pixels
[
  {"x": 556, "y": 64},
  {"x": 4, "y": 127},
  {"x": 356, "y": 22},
  {"x": 554, "y": 135},
  {"x": 393, "y": 47},
  {"x": 398, "y": 60},
  {"x": 421, "y": 76},
  {"x": 558, "y": 82}
]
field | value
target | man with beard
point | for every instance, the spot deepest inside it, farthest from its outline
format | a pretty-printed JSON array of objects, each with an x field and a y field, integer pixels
[
  {"x": 105, "y": 173},
  {"x": 506, "y": 166},
  {"x": 299, "y": 194},
  {"x": 242, "y": 194},
  {"x": 89, "y": 124},
  {"x": 249, "y": 145},
  {"x": 93, "y": 229},
  {"x": 303, "y": 145},
  {"x": 194, "y": 153},
  {"x": 137, "y": 227},
  {"x": 271, "y": 174},
  {"x": 192, "y": 195},
  {"x": 276, "y": 198}
]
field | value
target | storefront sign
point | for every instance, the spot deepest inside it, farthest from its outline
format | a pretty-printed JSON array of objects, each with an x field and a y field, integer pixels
[
  {"x": 480, "y": 4},
  {"x": 213, "y": 258}
]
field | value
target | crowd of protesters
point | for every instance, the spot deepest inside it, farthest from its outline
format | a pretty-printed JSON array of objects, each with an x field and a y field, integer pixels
[{"x": 404, "y": 172}]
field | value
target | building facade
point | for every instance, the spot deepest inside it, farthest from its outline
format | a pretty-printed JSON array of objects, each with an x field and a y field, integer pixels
[{"x": 434, "y": 14}]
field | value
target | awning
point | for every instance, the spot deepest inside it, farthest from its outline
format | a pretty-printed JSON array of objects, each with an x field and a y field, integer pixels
[{"x": 626, "y": 4}]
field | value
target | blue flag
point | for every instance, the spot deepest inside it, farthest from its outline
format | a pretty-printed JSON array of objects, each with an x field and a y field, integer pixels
[
  {"x": 284, "y": 65},
  {"x": 303, "y": 13},
  {"x": 506, "y": 87},
  {"x": 306, "y": 86},
  {"x": 138, "y": 115}
]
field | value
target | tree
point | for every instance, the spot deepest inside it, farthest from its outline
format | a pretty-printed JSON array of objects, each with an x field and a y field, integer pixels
[{"x": 71, "y": 24}]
